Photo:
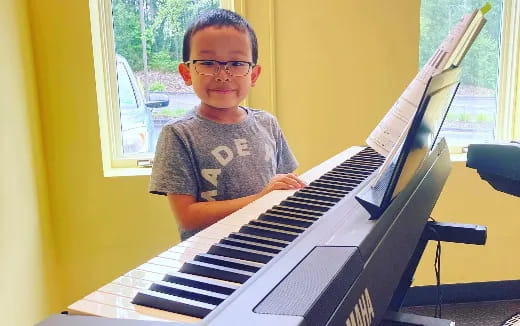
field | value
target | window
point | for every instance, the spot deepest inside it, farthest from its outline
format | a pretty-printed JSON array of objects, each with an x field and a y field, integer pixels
[
  {"x": 137, "y": 47},
  {"x": 487, "y": 87}
]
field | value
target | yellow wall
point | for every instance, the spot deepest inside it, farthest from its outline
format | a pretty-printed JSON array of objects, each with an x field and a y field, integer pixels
[
  {"x": 27, "y": 274},
  {"x": 338, "y": 69},
  {"x": 103, "y": 226}
]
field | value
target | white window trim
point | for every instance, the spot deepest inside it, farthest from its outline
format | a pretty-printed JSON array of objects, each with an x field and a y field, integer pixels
[
  {"x": 106, "y": 88},
  {"x": 508, "y": 114},
  {"x": 507, "y": 123}
]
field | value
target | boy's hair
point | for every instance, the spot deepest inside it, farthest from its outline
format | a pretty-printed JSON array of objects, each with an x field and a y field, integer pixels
[{"x": 219, "y": 18}]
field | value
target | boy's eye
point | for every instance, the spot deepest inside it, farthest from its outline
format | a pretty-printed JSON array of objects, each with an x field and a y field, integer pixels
[
  {"x": 206, "y": 63},
  {"x": 238, "y": 63}
]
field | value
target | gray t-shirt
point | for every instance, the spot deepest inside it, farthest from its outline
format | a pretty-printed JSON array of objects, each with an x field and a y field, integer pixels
[{"x": 213, "y": 161}]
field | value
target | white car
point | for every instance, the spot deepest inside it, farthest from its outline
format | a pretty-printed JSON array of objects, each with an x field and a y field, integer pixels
[{"x": 137, "y": 125}]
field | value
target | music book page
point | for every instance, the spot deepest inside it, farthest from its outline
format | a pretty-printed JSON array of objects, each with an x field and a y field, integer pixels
[
  {"x": 387, "y": 134},
  {"x": 390, "y": 133}
]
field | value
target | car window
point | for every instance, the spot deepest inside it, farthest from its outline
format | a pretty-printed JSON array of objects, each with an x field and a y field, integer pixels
[{"x": 126, "y": 91}]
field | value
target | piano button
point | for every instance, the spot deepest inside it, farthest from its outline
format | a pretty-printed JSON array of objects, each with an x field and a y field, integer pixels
[
  {"x": 295, "y": 202},
  {"x": 165, "y": 262},
  {"x": 340, "y": 183},
  {"x": 284, "y": 212},
  {"x": 279, "y": 226},
  {"x": 179, "y": 256},
  {"x": 171, "y": 303},
  {"x": 268, "y": 232},
  {"x": 140, "y": 274},
  {"x": 258, "y": 239},
  {"x": 84, "y": 306},
  {"x": 332, "y": 186},
  {"x": 225, "y": 250},
  {"x": 229, "y": 262},
  {"x": 188, "y": 292},
  {"x": 215, "y": 271},
  {"x": 311, "y": 213},
  {"x": 251, "y": 245},
  {"x": 156, "y": 268},
  {"x": 342, "y": 178},
  {"x": 200, "y": 282},
  {"x": 353, "y": 169},
  {"x": 313, "y": 195},
  {"x": 336, "y": 192},
  {"x": 273, "y": 217},
  {"x": 133, "y": 282},
  {"x": 119, "y": 290}
]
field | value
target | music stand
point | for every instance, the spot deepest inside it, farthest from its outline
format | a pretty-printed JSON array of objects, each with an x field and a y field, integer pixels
[{"x": 420, "y": 140}]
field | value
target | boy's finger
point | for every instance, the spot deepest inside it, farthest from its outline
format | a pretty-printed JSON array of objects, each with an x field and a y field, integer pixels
[{"x": 300, "y": 181}]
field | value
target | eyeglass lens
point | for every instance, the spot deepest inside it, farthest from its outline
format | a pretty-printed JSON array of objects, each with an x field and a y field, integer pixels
[{"x": 234, "y": 68}]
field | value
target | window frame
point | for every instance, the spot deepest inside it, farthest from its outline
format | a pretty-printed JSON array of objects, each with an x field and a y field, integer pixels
[
  {"x": 103, "y": 46},
  {"x": 508, "y": 115},
  {"x": 507, "y": 119}
]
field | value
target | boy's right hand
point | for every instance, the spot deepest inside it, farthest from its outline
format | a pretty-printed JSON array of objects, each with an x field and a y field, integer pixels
[{"x": 283, "y": 182}]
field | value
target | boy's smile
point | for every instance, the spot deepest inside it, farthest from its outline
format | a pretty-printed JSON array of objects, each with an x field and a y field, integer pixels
[{"x": 221, "y": 93}]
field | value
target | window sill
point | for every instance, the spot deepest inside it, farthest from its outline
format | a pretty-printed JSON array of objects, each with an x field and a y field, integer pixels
[
  {"x": 126, "y": 172},
  {"x": 459, "y": 157}
]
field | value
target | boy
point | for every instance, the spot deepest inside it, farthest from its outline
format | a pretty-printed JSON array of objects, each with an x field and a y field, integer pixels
[{"x": 221, "y": 156}]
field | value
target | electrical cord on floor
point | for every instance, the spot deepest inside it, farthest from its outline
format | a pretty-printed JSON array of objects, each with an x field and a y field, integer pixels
[{"x": 437, "y": 266}]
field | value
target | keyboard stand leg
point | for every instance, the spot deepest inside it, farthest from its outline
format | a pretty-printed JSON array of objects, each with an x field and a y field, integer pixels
[
  {"x": 405, "y": 319},
  {"x": 446, "y": 232}
]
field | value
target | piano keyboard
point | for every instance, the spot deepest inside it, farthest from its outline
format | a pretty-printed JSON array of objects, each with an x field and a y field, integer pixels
[{"x": 191, "y": 279}]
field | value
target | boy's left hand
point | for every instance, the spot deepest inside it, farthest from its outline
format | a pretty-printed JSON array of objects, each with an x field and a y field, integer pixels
[{"x": 283, "y": 182}]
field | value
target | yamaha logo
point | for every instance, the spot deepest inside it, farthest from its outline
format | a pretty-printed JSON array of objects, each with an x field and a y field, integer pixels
[{"x": 363, "y": 312}]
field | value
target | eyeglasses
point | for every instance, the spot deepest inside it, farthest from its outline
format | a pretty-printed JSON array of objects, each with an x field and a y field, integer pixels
[{"x": 212, "y": 67}]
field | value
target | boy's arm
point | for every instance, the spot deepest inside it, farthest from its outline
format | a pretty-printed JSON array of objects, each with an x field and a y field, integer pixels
[{"x": 193, "y": 215}]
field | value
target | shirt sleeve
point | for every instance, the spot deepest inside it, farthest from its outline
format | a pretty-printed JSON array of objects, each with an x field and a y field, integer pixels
[
  {"x": 286, "y": 162},
  {"x": 173, "y": 169}
]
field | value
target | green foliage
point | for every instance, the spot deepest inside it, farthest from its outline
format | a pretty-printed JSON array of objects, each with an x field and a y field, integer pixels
[
  {"x": 464, "y": 117},
  {"x": 480, "y": 66},
  {"x": 127, "y": 33},
  {"x": 483, "y": 118},
  {"x": 162, "y": 61},
  {"x": 170, "y": 112},
  {"x": 165, "y": 20},
  {"x": 157, "y": 86}
]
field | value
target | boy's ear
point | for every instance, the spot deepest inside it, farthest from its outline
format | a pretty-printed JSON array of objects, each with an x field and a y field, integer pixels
[
  {"x": 184, "y": 70},
  {"x": 255, "y": 74}
]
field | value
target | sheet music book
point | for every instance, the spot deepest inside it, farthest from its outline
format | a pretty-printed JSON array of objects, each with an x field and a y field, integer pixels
[{"x": 391, "y": 131}]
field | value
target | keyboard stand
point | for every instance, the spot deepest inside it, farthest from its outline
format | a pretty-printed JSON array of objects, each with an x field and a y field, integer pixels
[{"x": 434, "y": 231}]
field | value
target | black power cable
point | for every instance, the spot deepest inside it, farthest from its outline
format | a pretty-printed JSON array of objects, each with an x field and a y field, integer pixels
[{"x": 437, "y": 267}]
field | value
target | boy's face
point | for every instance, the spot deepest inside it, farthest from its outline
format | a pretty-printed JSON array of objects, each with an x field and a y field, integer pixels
[{"x": 222, "y": 44}]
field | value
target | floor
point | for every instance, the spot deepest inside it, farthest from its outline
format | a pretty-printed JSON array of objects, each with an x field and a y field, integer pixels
[{"x": 491, "y": 313}]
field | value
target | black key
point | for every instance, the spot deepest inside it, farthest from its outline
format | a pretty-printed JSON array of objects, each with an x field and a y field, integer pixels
[
  {"x": 279, "y": 218},
  {"x": 187, "y": 292},
  {"x": 297, "y": 202},
  {"x": 313, "y": 195},
  {"x": 215, "y": 271},
  {"x": 338, "y": 182},
  {"x": 348, "y": 176},
  {"x": 200, "y": 282},
  {"x": 292, "y": 213},
  {"x": 329, "y": 185},
  {"x": 310, "y": 213},
  {"x": 335, "y": 192},
  {"x": 240, "y": 253},
  {"x": 228, "y": 262},
  {"x": 172, "y": 303},
  {"x": 259, "y": 239},
  {"x": 251, "y": 245},
  {"x": 268, "y": 232},
  {"x": 279, "y": 226}
]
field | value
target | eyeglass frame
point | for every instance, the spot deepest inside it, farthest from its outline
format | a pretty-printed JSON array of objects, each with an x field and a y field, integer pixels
[{"x": 220, "y": 64}]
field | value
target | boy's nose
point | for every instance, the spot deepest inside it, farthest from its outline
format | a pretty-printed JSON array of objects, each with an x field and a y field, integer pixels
[{"x": 222, "y": 74}]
